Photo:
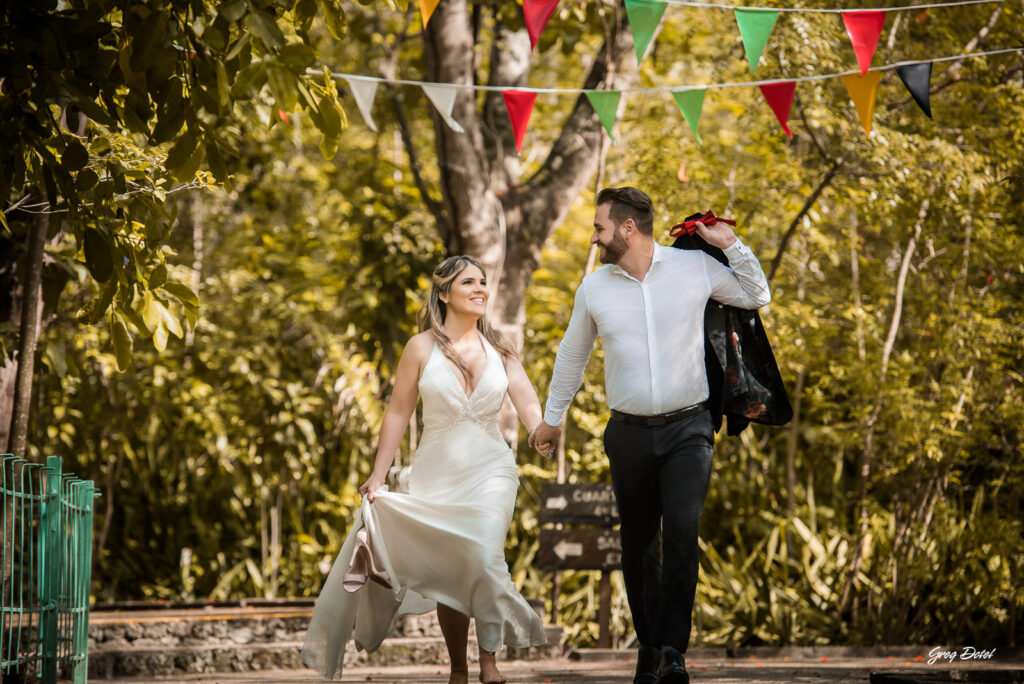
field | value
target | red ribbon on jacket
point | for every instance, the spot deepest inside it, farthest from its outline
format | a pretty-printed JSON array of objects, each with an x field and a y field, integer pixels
[{"x": 690, "y": 227}]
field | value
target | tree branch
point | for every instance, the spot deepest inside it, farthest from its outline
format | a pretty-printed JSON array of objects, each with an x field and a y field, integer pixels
[
  {"x": 441, "y": 219},
  {"x": 826, "y": 179}
]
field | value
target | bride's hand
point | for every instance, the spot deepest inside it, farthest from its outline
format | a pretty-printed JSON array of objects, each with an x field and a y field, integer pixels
[{"x": 370, "y": 487}]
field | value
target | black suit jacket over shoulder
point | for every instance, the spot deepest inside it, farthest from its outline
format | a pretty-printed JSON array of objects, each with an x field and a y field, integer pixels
[{"x": 744, "y": 382}]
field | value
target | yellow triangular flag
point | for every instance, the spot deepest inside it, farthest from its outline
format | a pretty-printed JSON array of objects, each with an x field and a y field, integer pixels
[
  {"x": 427, "y": 8},
  {"x": 862, "y": 90}
]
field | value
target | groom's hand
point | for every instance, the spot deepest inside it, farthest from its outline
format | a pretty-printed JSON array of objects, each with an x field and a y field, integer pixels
[
  {"x": 718, "y": 234},
  {"x": 544, "y": 438}
]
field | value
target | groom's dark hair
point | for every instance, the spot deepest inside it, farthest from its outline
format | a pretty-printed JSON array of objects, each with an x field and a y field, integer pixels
[{"x": 629, "y": 203}]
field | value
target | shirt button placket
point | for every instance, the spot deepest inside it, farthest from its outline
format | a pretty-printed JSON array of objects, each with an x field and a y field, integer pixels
[{"x": 651, "y": 349}]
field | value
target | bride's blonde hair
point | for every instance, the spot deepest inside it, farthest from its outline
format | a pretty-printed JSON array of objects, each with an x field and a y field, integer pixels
[{"x": 434, "y": 312}]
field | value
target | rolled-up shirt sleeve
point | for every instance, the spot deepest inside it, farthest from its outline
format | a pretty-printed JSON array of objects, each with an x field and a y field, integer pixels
[
  {"x": 571, "y": 360},
  {"x": 742, "y": 284}
]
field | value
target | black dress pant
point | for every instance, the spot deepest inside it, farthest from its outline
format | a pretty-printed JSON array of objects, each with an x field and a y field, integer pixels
[{"x": 660, "y": 477}]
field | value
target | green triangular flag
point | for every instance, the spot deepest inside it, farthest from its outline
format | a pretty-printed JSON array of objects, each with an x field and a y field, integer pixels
[
  {"x": 755, "y": 27},
  {"x": 606, "y": 104},
  {"x": 690, "y": 104},
  {"x": 644, "y": 16}
]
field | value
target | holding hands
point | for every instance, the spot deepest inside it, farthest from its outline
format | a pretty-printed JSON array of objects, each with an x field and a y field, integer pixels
[{"x": 544, "y": 438}]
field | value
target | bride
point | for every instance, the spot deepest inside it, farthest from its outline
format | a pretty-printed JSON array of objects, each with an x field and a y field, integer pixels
[{"x": 442, "y": 544}]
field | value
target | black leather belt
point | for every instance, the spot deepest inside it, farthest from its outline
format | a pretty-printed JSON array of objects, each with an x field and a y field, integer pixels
[{"x": 661, "y": 419}]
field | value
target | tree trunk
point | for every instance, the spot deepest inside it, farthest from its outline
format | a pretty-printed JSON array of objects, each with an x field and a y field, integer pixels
[
  {"x": 867, "y": 457},
  {"x": 491, "y": 214},
  {"x": 28, "y": 335}
]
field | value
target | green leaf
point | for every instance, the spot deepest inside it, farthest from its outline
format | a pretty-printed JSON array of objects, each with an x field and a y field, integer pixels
[
  {"x": 160, "y": 337},
  {"x": 232, "y": 11},
  {"x": 86, "y": 180},
  {"x": 265, "y": 28},
  {"x": 334, "y": 17},
  {"x": 97, "y": 256},
  {"x": 158, "y": 276},
  {"x": 216, "y": 163},
  {"x": 249, "y": 77},
  {"x": 297, "y": 55},
  {"x": 223, "y": 86},
  {"x": 284, "y": 86},
  {"x": 122, "y": 341},
  {"x": 150, "y": 312},
  {"x": 183, "y": 293},
  {"x": 75, "y": 156},
  {"x": 182, "y": 149},
  {"x": 94, "y": 309},
  {"x": 169, "y": 321}
]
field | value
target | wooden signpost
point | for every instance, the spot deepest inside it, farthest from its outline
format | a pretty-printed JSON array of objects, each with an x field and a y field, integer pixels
[{"x": 597, "y": 547}]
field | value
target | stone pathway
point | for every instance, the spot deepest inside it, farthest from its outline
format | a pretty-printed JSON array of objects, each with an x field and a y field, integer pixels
[{"x": 792, "y": 666}]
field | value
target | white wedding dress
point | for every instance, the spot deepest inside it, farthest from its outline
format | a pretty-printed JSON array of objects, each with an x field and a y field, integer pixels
[{"x": 444, "y": 540}]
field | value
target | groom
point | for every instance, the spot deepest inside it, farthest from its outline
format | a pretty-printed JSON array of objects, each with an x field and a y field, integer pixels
[{"x": 647, "y": 305}]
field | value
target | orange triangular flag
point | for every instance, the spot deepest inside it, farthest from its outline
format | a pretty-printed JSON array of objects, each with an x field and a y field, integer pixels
[
  {"x": 519, "y": 105},
  {"x": 862, "y": 90},
  {"x": 427, "y": 8}
]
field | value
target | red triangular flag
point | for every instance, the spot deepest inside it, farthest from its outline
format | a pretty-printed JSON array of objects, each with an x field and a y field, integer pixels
[
  {"x": 519, "y": 105},
  {"x": 864, "y": 29},
  {"x": 537, "y": 13},
  {"x": 780, "y": 99}
]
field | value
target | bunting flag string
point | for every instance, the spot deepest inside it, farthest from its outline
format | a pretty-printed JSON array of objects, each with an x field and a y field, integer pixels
[
  {"x": 826, "y": 10},
  {"x": 861, "y": 87},
  {"x": 667, "y": 88}
]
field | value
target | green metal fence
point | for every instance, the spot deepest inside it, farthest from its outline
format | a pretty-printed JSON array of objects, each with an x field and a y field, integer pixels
[{"x": 46, "y": 564}]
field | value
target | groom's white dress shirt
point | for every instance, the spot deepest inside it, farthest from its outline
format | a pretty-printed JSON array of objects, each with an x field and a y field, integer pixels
[{"x": 652, "y": 330}]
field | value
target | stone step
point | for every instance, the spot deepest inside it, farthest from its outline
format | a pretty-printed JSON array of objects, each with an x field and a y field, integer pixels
[{"x": 114, "y": 660}]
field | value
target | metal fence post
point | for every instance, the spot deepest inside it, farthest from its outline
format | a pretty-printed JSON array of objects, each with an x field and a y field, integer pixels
[
  {"x": 49, "y": 591},
  {"x": 82, "y": 579}
]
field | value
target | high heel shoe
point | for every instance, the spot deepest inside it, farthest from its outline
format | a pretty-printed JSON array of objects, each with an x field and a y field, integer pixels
[{"x": 362, "y": 566}]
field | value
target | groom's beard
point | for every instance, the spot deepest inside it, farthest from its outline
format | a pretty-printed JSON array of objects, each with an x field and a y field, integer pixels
[{"x": 614, "y": 250}]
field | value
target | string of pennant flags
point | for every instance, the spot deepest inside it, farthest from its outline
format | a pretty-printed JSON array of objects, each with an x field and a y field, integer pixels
[
  {"x": 861, "y": 87},
  {"x": 756, "y": 25}
]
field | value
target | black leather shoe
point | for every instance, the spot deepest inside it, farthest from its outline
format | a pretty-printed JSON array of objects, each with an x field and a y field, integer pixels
[
  {"x": 647, "y": 660},
  {"x": 673, "y": 667}
]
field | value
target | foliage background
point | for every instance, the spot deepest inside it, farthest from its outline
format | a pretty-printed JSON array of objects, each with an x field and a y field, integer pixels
[{"x": 229, "y": 462}]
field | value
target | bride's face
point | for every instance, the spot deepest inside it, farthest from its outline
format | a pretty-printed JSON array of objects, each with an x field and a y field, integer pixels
[{"x": 468, "y": 293}]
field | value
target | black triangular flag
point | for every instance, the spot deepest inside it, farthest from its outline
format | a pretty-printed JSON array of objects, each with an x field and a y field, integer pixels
[{"x": 917, "y": 78}]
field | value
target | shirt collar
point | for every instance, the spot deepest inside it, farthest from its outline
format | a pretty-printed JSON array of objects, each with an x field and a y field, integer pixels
[{"x": 659, "y": 255}]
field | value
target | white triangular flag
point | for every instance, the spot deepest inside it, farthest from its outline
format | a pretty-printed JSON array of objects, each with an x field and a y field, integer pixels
[
  {"x": 364, "y": 92},
  {"x": 443, "y": 98}
]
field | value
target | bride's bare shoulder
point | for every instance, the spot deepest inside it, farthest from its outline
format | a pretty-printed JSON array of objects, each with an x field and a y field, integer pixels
[{"x": 420, "y": 345}]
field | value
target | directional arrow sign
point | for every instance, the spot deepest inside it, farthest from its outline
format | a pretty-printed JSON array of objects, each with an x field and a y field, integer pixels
[
  {"x": 557, "y": 503},
  {"x": 592, "y": 503},
  {"x": 564, "y": 548},
  {"x": 586, "y": 549}
]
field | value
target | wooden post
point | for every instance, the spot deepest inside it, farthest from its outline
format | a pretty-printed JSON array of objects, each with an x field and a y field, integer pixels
[{"x": 604, "y": 611}]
